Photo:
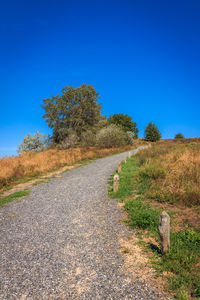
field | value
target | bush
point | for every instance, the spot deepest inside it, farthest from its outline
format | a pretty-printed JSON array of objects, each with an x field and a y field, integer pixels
[
  {"x": 88, "y": 138},
  {"x": 179, "y": 136},
  {"x": 152, "y": 133},
  {"x": 69, "y": 141},
  {"x": 130, "y": 137},
  {"x": 111, "y": 136},
  {"x": 37, "y": 142}
]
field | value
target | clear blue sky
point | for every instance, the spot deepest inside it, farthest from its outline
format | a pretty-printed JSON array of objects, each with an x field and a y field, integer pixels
[{"x": 143, "y": 57}]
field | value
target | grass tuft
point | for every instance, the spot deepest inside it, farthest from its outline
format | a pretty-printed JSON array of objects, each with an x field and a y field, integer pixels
[{"x": 13, "y": 196}]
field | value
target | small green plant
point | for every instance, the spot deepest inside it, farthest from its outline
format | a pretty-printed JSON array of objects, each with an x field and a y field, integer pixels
[
  {"x": 142, "y": 215},
  {"x": 13, "y": 196}
]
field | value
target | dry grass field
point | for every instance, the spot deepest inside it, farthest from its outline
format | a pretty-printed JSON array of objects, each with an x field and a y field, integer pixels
[
  {"x": 16, "y": 169},
  {"x": 173, "y": 168}
]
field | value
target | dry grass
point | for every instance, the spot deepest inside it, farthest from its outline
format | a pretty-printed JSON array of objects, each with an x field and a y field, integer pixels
[
  {"x": 31, "y": 164},
  {"x": 172, "y": 169}
]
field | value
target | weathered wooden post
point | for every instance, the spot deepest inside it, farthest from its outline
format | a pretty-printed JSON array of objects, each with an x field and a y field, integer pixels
[
  {"x": 129, "y": 154},
  {"x": 164, "y": 232},
  {"x": 116, "y": 183},
  {"x": 119, "y": 167},
  {"x": 125, "y": 159}
]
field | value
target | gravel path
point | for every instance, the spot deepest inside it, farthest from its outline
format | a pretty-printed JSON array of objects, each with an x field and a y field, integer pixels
[{"x": 61, "y": 242}]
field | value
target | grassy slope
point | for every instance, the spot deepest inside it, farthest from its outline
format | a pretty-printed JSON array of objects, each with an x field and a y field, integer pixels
[{"x": 144, "y": 175}]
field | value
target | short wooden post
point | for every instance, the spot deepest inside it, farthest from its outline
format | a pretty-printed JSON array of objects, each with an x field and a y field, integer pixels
[
  {"x": 119, "y": 166},
  {"x": 129, "y": 154},
  {"x": 116, "y": 183},
  {"x": 164, "y": 232},
  {"x": 125, "y": 159}
]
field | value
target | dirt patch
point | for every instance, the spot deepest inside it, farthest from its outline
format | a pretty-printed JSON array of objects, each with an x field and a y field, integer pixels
[{"x": 136, "y": 263}]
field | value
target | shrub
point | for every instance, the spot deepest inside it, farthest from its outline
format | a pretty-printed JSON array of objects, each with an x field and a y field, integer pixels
[
  {"x": 130, "y": 137},
  {"x": 69, "y": 141},
  {"x": 179, "y": 136},
  {"x": 111, "y": 136},
  {"x": 37, "y": 142},
  {"x": 152, "y": 133},
  {"x": 88, "y": 138}
]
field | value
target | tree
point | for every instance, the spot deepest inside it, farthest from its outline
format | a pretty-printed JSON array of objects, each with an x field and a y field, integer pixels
[
  {"x": 37, "y": 142},
  {"x": 152, "y": 133},
  {"x": 125, "y": 122},
  {"x": 75, "y": 110},
  {"x": 179, "y": 136}
]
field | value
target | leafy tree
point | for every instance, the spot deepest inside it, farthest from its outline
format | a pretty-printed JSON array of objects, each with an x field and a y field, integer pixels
[
  {"x": 152, "y": 133},
  {"x": 37, "y": 142},
  {"x": 179, "y": 136},
  {"x": 76, "y": 109},
  {"x": 125, "y": 122}
]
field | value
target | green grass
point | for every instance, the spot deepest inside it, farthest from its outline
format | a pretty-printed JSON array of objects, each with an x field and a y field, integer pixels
[
  {"x": 13, "y": 196},
  {"x": 142, "y": 215},
  {"x": 183, "y": 260},
  {"x": 125, "y": 180}
]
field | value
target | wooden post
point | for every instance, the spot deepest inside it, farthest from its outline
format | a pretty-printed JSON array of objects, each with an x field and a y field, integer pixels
[
  {"x": 164, "y": 232},
  {"x": 119, "y": 167},
  {"x": 116, "y": 183},
  {"x": 125, "y": 159},
  {"x": 129, "y": 154}
]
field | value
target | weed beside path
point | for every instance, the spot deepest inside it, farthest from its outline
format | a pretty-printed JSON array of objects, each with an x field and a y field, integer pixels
[
  {"x": 13, "y": 196},
  {"x": 181, "y": 265}
]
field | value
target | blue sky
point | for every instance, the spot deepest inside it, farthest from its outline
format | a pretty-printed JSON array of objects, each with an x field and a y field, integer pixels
[{"x": 143, "y": 57}]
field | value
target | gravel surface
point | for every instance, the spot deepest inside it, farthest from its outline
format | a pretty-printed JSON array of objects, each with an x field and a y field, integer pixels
[{"x": 61, "y": 242}]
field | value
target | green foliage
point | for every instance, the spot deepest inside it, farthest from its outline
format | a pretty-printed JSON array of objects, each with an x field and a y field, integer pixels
[
  {"x": 111, "y": 136},
  {"x": 37, "y": 142},
  {"x": 13, "y": 196},
  {"x": 75, "y": 109},
  {"x": 179, "y": 136},
  {"x": 142, "y": 215},
  {"x": 152, "y": 133},
  {"x": 125, "y": 122}
]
